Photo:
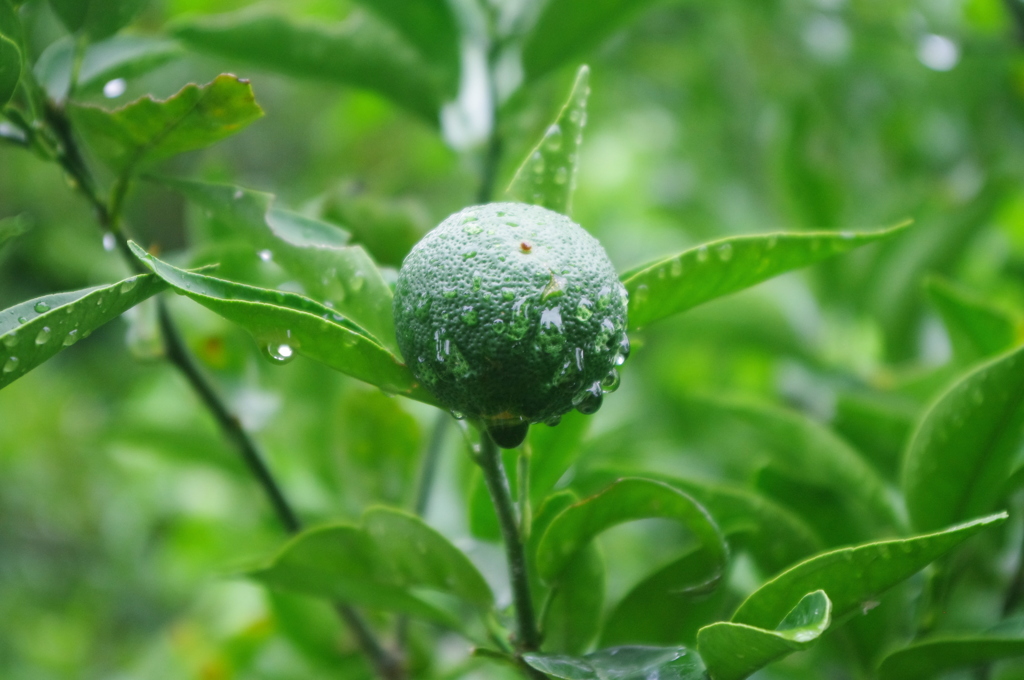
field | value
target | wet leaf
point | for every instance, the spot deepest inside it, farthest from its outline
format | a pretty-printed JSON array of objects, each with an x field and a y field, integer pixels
[
  {"x": 31, "y": 332},
  {"x": 962, "y": 451},
  {"x": 852, "y": 577},
  {"x": 733, "y": 651},
  {"x": 548, "y": 175},
  {"x": 622, "y": 663},
  {"x": 287, "y": 323},
  {"x": 695, "y": 276},
  {"x": 359, "y": 53},
  {"x": 10, "y": 69},
  {"x": 314, "y": 252},
  {"x": 149, "y": 130}
]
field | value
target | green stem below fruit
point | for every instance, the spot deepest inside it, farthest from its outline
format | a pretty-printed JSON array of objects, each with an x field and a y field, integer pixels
[{"x": 501, "y": 496}]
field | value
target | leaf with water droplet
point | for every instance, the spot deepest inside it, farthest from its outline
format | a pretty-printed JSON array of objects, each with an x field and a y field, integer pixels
[
  {"x": 631, "y": 662},
  {"x": 548, "y": 175},
  {"x": 960, "y": 456},
  {"x": 851, "y": 576},
  {"x": 30, "y": 330},
  {"x": 149, "y": 130},
  {"x": 272, "y": 314},
  {"x": 740, "y": 262},
  {"x": 313, "y": 251},
  {"x": 719, "y": 642}
]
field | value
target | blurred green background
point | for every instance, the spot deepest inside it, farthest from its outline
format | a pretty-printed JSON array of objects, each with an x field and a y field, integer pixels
[{"x": 123, "y": 512}]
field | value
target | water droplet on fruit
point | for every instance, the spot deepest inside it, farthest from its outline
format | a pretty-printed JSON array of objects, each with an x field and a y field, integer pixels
[
  {"x": 588, "y": 401},
  {"x": 44, "y": 336},
  {"x": 498, "y": 326},
  {"x": 458, "y": 415},
  {"x": 551, "y": 317},
  {"x": 553, "y": 420},
  {"x": 725, "y": 252},
  {"x": 624, "y": 350},
  {"x": 553, "y": 138},
  {"x": 469, "y": 316},
  {"x": 583, "y": 309},
  {"x": 71, "y": 338},
  {"x": 579, "y": 359},
  {"x": 12, "y": 363},
  {"x": 611, "y": 381}
]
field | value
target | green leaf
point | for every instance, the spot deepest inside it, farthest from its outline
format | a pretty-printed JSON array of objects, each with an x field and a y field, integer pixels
[
  {"x": 681, "y": 282},
  {"x": 733, "y": 651},
  {"x": 548, "y": 175},
  {"x": 566, "y": 29},
  {"x": 965, "y": 444},
  {"x": 624, "y": 501},
  {"x": 424, "y": 558},
  {"x": 811, "y": 453},
  {"x": 283, "y": 323},
  {"x": 378, "y": 565},
  {"x": 387, "y": 228},
  {"x": 97, "y": 19},
  {"x": 360, "y": 53},
  {"x": 977, "y": 328},
  {"x": 571, "y": 614},
  {"x": 311, "y": 250},
  {"x": 10, "y": 69},
  {"x": 622, "y": 663},
  {"x": 122, "y": 56},
  {"x": 430, "y": 26},
  {"x": 553, "y": 450},
  {"x": 149, "y": 130},
  {"x": 11, "y": 228},
  {"x": 341, "y": 562},
  {"x": 775, "y": 537},
  {"x": 931, "y": 658},
  {"x": 31, "y": 332},
  {"x": 854, "y": 576},
  {"x": 669, "y": 606}
]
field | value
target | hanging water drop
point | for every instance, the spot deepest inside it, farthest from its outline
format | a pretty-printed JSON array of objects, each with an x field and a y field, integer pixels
[
  {"x": 611, "y": 381},
  {"x": 44, "y": 336},
  {"x": 458, "y": 415},
  {"x": 553, "y": 421},
  {"x": 279, "y": 353},
  {"x": 588, "y": 401}
]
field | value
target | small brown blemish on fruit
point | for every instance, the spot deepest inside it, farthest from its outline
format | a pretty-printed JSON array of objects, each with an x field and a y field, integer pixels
[{"x": 525, "y": 247}]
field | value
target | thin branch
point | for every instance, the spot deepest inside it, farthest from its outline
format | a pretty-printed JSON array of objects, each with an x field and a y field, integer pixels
[{"x": 501, "y": 496}]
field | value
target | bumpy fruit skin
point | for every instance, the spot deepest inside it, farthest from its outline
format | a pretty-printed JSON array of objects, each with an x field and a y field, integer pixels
[{"x": 512, "y": 314}]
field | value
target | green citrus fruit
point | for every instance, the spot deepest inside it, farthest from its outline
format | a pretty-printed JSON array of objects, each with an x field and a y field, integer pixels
[{"x": 511, "y": 314}]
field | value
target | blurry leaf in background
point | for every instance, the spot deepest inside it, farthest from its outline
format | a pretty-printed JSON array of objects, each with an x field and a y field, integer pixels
[
  {"x": 553, "y": 450},
  {"x": 35, "y": 330},
  {"x": 669, "y": 606},
  {"x": 571, "y": 615},
  {"x": 624, "y": 501},
  {"x": 381, "y": 447},
  {"x": 10, "y": 69},
  {"x": 387, "y": 229},
  {"x": 977, "y": 328},
  {"x": 700, "y": 274},
  {"x": 121, "y": 57},
  {"x": 547, "y": 177},
  {"x": 878, "y": 424},
  {"x": 430, "y": 26},
  {"x": 97, "y": 19},
  {"x": 284, "y": 324},
  {"x": 11, "y": 228},
  {"x": 733, "y": 651},
  {"x": 360, "y": 53},
  {"x": 853, "y": 576},
  {"x": 933, "y": 657},
  {"x": 622, "y": 663},
  {"x": 566, "y": 29},
  {"x": 315, "y": 252},
  {"x": 965, "y": 445},
  {"x": 149, "y": 130},
  {"x": 809, "y": 452}
]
